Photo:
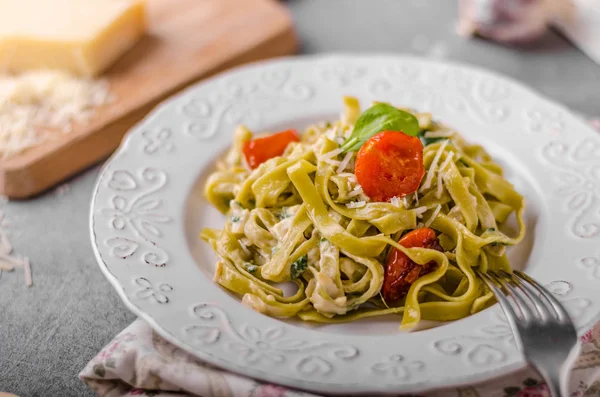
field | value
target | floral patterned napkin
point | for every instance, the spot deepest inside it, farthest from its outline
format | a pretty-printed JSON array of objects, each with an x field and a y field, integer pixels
[{"x": 138, "y": 362}]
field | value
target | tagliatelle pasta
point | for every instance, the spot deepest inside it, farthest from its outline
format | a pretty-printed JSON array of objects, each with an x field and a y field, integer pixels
[{"x": 302, "y": 217}]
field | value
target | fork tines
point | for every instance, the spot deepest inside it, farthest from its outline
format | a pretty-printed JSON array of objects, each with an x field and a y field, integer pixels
[{"x": 526, "y": 296}]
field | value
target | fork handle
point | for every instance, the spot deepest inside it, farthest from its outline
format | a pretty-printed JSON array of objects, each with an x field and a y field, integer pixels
[
  {"x": 557, "y": 376},
  {"x": 557, "y": 382}
]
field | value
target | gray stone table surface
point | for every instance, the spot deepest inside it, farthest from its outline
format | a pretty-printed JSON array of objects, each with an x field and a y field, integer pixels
[{"x": 50, "y": 331}]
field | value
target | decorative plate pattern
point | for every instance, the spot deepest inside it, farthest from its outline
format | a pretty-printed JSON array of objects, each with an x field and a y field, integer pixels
[{"x": 147, "y": 209}]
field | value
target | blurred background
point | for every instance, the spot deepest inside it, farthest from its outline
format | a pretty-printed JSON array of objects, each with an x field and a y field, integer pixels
[{"x": 48, "y": 332}]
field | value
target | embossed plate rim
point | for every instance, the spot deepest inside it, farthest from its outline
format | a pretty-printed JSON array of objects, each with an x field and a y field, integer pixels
[{"x": 246, "y": 337}]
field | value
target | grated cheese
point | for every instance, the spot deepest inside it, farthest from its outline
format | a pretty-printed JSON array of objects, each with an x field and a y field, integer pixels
[
  {"x": 356, "y": 204},
  {"x": 245, "y": 249},
  {"x": 334, "y": 163},
  {"x": 331, "y": 133},
  {"x": 433, "y": 216},
  {"x": 345, "y": 162},
  {"x": 432, "y": 168},
  {"x": 356, "y": 192},
  {"x": 395, "y": 202},
  {"x": 420, "y": 211},
  {"x": 445, "y": 164},
  {"x": 331, "y": 154},
  {"x": 456, "y": 214},
  {"x": 40, "y": 100},
  {"x": 9, "y": 261}
]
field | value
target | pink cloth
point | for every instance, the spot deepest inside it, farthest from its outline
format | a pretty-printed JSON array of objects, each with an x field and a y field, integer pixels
[{"x": 138, "y": 362}]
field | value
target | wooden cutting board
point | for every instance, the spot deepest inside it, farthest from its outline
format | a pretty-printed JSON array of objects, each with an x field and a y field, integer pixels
[{"x": 186, "y": 40}]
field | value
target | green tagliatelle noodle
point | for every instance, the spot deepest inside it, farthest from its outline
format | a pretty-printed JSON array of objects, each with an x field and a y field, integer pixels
[{"x": 303, "y": 218}]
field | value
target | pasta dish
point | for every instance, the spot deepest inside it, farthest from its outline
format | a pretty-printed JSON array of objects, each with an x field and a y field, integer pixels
[{"x": 384, "y": 211}]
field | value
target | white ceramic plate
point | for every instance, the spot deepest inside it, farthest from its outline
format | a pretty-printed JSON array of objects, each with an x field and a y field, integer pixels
[{"x": 148, "y": 209}]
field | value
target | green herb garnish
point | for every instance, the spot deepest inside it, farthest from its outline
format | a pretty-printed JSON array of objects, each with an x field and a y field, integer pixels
[
  {"x": 380, "y": 117},
  {"x": 235, "y": 219},
  {"x": 299, "y": 266},
  {"x": 250, "y": 267},
  {"x": 283, "y": 214},
  {"x": 323, "y": 240},
  {"x": 429, "y": 141}
]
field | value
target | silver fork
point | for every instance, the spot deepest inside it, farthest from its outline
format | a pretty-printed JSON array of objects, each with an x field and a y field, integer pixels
[{"x": 542, "y": 328}]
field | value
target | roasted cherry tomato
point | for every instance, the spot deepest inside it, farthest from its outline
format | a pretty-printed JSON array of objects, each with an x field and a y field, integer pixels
[
  {"x": 390, "y": 164},
  {"x": 259, "y": 150},
  {"x": 400, "y": 271}
]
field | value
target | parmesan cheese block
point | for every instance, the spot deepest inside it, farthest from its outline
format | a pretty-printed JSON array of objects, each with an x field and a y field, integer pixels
[{"x": 83, "y": 37}]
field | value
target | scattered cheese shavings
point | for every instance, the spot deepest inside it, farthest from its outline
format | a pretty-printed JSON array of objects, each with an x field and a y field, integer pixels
[
  {"x": 351, "y": 177},
  {"x": 447, "y": 161},
  {"x": 433, "y": 216},
  {"x": 27, "y": 268},
  {"x": 445, "y": 164},
  {"x": 331, "y": 154},
  {"x": 433, "y": 167},
  {"x": 245, "y": 249},
  {"x": 62, "y": 189},
  {"x": 334, "y": 163},
  {"x": 345, "y": 162},
  {"x": 331, "y": 133},
  {"x": 356, "y": 192},
  {"x": 395, "y": 202},
  {"x": 420, "y": 211},
  {"x": 356, "y": 204},
  {"x": 9, "y": 261},
  {"x": 40, "y": 100}
]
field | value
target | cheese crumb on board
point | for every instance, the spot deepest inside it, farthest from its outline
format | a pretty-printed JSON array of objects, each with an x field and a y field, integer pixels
[
  {"x": 83, "y": 37},
  {"x": 9, "y": 261},
  {"x": 34, "y": 102}
]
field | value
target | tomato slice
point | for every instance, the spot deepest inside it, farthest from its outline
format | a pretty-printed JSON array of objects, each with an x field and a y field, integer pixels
[
  {"x": 400, "y": 271},
  {"x": 390, "y": 164},
  {"x": 259, "y": 150}
]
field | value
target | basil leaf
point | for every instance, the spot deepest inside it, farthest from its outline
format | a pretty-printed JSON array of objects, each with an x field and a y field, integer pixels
[{"x": 380, "y": 117}]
